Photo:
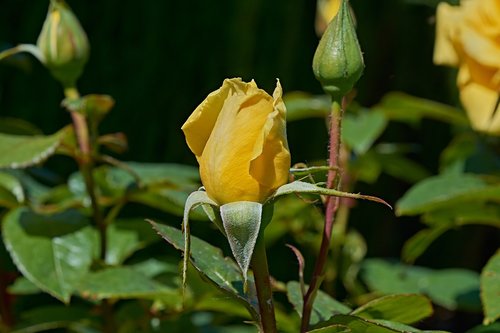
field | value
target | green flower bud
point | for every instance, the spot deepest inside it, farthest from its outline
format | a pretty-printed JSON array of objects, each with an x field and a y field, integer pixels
[
  {"x": 338, "y": 61},
  {"x": 63, "y": 43}
]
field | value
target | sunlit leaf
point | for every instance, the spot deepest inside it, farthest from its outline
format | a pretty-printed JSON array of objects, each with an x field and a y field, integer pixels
[
  {"x": 357, "y": 324},
  {"x": 210, "y": 262},
  {"x": 125, "y": 283},
  {"x": 404, "y": 328},
  {"x": 52, "y": 251},
  {"x": 332, "y": 329},
  {"x": 402, "y": 308},
  {"x": 21, "y": 151}
]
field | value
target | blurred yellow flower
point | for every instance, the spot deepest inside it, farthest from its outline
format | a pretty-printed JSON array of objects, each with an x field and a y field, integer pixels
[
  {"x": 325, "y": 12},
  {"x": 468, "y": 37},
  {"x": 238, "y": 134}
]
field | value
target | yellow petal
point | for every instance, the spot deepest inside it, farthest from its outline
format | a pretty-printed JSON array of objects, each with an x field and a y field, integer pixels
[
  {"x": 482, "y": 107},
  {"x": 199, "y": 125},
  {"x": 483, "y": 16},
  {"x": 448, "y": 20},
  {"x": 271, "y": 158},
  {"x": 225, "y": 162},
  {"x": 482, "y": 49}
]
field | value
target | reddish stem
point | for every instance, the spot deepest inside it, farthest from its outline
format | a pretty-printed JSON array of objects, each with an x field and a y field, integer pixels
[{"x": 331, "y": 208}]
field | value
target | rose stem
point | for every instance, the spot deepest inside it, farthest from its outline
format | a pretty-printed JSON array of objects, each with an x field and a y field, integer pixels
[
  {"x": 331, "y": 208},
  {"x": 86, "y": 166},
  {"x": 263, "y": 286}
]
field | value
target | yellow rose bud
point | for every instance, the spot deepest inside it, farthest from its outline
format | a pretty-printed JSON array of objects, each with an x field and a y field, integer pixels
[
  {"x": 338, "y": 61},
  {"x": 238, "y": 134},
  {"x": 468, "y": 37},
  {"x": 63, "y": 43}
]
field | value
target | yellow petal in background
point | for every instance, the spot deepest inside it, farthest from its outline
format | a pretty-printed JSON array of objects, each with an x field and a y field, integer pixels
[
  {"x": 325, "y": 12},
  {"x": 482, "y": 107},
  {"x": 448, "y": 20}
]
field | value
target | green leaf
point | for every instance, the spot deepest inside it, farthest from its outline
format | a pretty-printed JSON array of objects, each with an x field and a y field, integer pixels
[
  {"x": 157, "y": 174},
  {"x": 493, "y": 328},
  {"x": 125, "y": 236},
  {"x": 402, "y": 107},
  {"x": 167, "y": 200},
  {"x": 23, "y": 286},
  {"x": 418, "y": 243},
  {"x": 324, "y": 306},
  {"x": 33, "y": 189},
  {"x": 210, "y": 263},
  {"x": 450, "y": 288},
  {"x": 300, "y": 105},
  {"x": 11, "y": 191},
  {"x": 361, "y": 325},
  {"x": 227, "y": 306},
  {"x": 454, "y": 288},
  {"x": 194, "y": 200},
  {"x": 404, "y": 308},
  {"x": 20, "y": 151},
  {"x": 353, "y": 250},
  {"x": 403, "y": 328},
  {"x": 153, "y": 267},
  {"x": 125, "y": 283},
  {"x": 242, "y": 220},
  {"x": 360, "y": 131},
  {"x": 162, "y": 186},
  {"x": 94, "y": 107},
  {"x": 490, "y": 289},
  {"x": 52, "y": 251},
  {"x": 45, "y": 318},
  {"x": 18, "y": 126},
  {"x": 332, "y": 329},
  {"x": 454, "y": 157},
  {"x": 439, "y": 191},
  {"x": 358, "y": 325},
  {"x": 459, "y": 215}
]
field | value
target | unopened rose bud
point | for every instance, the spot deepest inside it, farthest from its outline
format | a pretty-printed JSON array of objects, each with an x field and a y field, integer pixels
[
  {"x": 338, "y": 61},
  {"x": 63, "y": 43}
]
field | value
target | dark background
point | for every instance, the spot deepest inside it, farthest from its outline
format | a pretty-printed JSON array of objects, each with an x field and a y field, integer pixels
[{"x": 159, "y": 59}]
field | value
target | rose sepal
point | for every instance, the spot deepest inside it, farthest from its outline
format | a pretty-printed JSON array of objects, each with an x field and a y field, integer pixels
[{"x": 300, "y": 187}]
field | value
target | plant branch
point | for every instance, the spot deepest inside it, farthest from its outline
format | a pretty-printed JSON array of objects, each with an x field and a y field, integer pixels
[
  {"x": 86, "y": 162},
  {"x": 263, "y": 286},
  {"x": 331, "y": 207}
]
